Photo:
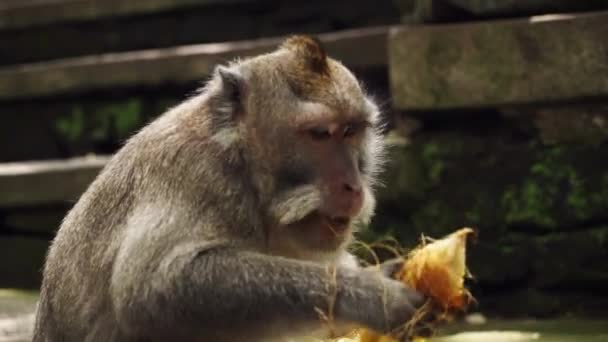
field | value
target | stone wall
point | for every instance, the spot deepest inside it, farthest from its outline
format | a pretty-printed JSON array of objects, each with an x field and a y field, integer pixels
[
  {"x": 540, "y": 207},
  {"x": 511, "y": 138},
  {"x": 96, "y": 26},
  {"x": 501, "y": 125}
]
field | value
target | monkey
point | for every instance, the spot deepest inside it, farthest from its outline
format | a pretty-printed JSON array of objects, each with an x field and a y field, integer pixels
[{"x": 228, "y": 217}]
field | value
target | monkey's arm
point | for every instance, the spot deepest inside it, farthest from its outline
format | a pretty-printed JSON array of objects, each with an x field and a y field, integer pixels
[{"x": 195, "y": 290}]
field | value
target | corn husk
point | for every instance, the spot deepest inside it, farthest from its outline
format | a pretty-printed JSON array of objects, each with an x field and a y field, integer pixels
[{"x": 437, "y": 269}]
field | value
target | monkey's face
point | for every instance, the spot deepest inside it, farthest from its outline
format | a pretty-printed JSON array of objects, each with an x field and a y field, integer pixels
[
  {"x": 323, "y": 182},
  {"x": 311, "y": 136}
]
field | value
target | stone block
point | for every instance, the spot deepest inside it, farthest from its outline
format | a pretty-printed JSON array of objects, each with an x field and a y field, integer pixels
[
  {"x": 171, "y": 66},
  {"x": 47, "y": 182},
  {"x": 499, "y": 63}
]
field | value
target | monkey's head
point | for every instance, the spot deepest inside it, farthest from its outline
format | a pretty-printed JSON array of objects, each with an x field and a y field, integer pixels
[{"x": 312, "y": 141}]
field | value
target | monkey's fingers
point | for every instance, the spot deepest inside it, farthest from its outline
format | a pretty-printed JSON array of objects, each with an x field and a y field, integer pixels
[
  {"x": 426, "y": 320},
  {"x": 389, "y": 268}
]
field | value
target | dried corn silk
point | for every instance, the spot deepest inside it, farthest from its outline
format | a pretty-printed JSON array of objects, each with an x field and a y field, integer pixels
[{"x": 436, "y": 269}]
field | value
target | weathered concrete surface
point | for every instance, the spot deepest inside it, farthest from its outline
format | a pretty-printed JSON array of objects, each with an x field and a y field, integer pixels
[
  {"x": 498, "y": 63},
  {"x": 196, "y": 23},
  {"x": 517, "y": 7},
  {"x": 419, "y": 11},
  {"x": 360, "y": 48},
  {"x": 17, "y": 314},
  {"x": 48, "y": 182},
  {"x": 563, "y": 329},
  {"x": 18, "y": 14},
  {"x": 571, "y": 124}
]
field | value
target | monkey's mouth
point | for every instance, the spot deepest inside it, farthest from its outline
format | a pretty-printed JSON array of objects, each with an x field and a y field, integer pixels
[
  {"x": 336, "y": 224},
  {"x": 330, "y": 227}
]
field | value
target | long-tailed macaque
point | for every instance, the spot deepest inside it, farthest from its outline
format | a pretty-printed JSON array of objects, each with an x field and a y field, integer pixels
[{"x": 227, "y": 218}]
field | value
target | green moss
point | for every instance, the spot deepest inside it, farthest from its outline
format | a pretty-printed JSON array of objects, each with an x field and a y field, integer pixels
[
  {"x": 506, "y": 249},
  {"x": 531, "y": 203},
  {"x": 538, "y": 199},
  {"x": 18, "y": 293},
  {"x": 129, "y": 118},
  {"x": 413, "y": 171},
  {"x": 118, "y": 119},
  {"x": 433, "y": 162},
  {"x": 102, "y": 122},
  {"x": 434, "y": 218},
  {"x": 540, "y": 169},
  {"x": 406, "y": 174},
  {"x": 577, "y": 198},
  {"x": 601, "y": 235},
  {"x": 430, "y": 150},
  {"x": 602, "y": 196},
  {"x": 473, "y": 216},
  {"x": 71, "y": 127}
]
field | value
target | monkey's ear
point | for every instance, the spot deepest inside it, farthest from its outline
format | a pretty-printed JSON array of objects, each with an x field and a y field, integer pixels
[
  {"x": 228, "y": 101},
  {"x": 233, "y": 83}
]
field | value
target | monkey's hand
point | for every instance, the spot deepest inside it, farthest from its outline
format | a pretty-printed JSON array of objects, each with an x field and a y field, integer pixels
[
  {"x": 427, "y": 319},
  {"x": 376, "y": 301},
  {"x": 388, "y": 268}
]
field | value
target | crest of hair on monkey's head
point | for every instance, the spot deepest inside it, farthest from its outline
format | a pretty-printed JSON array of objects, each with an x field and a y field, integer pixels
[
  {"x": 310, "y": 51},
  {"x": 309, "y": 72}
]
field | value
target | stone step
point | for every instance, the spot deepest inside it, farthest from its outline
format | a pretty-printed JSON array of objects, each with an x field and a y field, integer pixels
[
  {"x": 28, "y": 13},
  {"x": 417, "y": 11},
  {"x": 499, "y": 63},
  {"x": 516, "y": 7},
  {"x": 358, "y": 48},
  {"x": 37, "y": 30},
  {"x": 47, "y": 182}
]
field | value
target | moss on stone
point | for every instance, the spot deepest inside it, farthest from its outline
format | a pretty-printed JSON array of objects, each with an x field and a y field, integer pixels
[
  {"x": 438, "y": 217},
  {"x": 444, "y": 181},
  {"x": 117, "y": 119},
  {"x": 553, "y": 184},
  {"x": 577, "y": 198},
  {"x": 433, "y": 162},
  {"x": 530, "y": 203},
  {"x": 100, "y": 122},
  {"x": 71, "y": 126}
]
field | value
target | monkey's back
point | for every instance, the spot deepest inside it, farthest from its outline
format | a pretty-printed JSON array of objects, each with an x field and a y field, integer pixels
[
  {"x": 74, "y": 294},
  {"x": 75, "y": 302}
]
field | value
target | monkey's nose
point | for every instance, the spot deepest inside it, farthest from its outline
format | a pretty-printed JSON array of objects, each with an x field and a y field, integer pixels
[{"x": 354, "y": 188}]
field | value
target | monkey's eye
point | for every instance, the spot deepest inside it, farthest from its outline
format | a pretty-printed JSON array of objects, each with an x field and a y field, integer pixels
[
  {"x": 353, "y": 129},
  {"x": 319, "y": 133}
]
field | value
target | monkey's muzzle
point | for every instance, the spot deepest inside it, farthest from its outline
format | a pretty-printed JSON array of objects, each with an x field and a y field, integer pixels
[{"x": 337, "y": 224}]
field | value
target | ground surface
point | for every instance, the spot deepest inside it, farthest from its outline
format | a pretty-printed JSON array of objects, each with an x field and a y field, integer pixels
[
  {"x": 17, "y": 318},
  {"x": 16, "y": 315}
]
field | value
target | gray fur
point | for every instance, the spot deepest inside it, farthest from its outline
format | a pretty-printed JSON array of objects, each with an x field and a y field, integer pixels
[{"x": 173, "y": 240}]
